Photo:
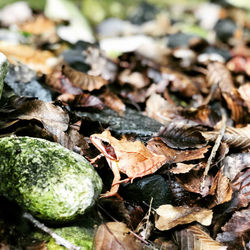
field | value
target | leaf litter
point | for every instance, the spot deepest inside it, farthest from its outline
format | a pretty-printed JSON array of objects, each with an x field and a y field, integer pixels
[{"x": 177, "y": 107}]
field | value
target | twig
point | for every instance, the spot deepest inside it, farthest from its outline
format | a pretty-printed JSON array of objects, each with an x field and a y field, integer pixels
[
  {"x": 59, "y": 240},
  {"x": 215, "y": 147}
]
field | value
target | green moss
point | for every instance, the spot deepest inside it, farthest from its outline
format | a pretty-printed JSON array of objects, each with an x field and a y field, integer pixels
[{"x": 50, "y": 181}]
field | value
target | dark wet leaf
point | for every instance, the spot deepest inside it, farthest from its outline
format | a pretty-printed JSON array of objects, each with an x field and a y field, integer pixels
[
  {"x": 182, "y": 134},
  {"x": 236, "y": 230}
]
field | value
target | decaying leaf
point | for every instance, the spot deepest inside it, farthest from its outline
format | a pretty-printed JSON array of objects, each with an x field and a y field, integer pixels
[
  {"x": 161, "y": 110},
  {"x": 82, "y": 80},
  {"x": 136, "y": 79},
  {"x": 203, "y": 115},
  {"x": 172, "y": 155},
  {"x": 169, "y": 216},
  {"x": 50, "y": 115},
  {"x": 100, "y": 64},
  {"x": 192, "y": 182},
  {"x": 114, "y": 235},
  {"x": 244, "y": 92},
  {"x": 219, "y": 75},
  {"x": 113, "y": 102},
  {"x": 182, "y": 168},
  {"x": 235, "y": 163},
  {"x": 86, "y": 100},
  {"x": 195, "y": 238},
  {"x": 38, "y": 60},
  {"x": 241, "y": 183},
  {"x": 182, "y": 134},
  {"x": 236, "y": 230},
  {"x": 235, "y": 137},
  {"x": 221, "y": 188}
]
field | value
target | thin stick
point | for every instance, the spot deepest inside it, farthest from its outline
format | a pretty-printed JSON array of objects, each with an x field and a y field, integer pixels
[
  {"x": 215, "y": 147},
  {"x": 59, "y": 240}
]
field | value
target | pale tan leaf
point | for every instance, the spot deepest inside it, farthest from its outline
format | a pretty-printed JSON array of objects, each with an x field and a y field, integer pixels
[
  {"x": 182, "y": 168},
  {"x": 136, "y": 79},
  {"x": 195, "y": 238},
  {"x": 39, "y": 60},
  {"x": 169, "y": 216},
  {"x": 159, "y": 109},
  {"x": 82, "y": 80},
  {"x": 244, "y": 92}
]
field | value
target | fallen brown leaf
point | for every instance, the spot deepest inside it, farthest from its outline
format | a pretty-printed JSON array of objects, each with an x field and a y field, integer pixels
[
  {"x": 195, "y": 238},
  {"x": 172, "y": 155},
  {"x": 236, "y": 230},
  {"x": 113, "y": 102},
  {"x": 114, "y": 235},
  {"x": 82, "y": 80},
  {"x": 221, "y": 188}
]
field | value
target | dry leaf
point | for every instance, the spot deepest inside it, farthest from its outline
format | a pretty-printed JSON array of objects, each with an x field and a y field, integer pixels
[
  {"x": 100, "y": 64},
  {"x": 192, "y": 182},
  {"x": 203, "y": 115},
  {"x": 182, "y": 134},
  {"x": 236, "y": 230},
  {"x": 244, "y": 92},
  {"x": 38, "y": 60},
  {"x": 82, "y": 80},
  {"x": 195, "y": 238},
  {"x": 239, "y": 64},
  {"x": 38, "y": 25},
  {"x": 87, "y": 101},
  {"x": 219, "y": 75},
  {"x": 114, "y": 235},
  {"x": 235, "y": 163},
  {"x": 172, "y": 155},
  {"x": 169, "y": 216},
  {"x": 182, "y": 168},
  {"x": 159, "y": 109},
  {"x": 221, "y": 188},
  {"x": 136, "y": 79},
  {"x": 113, "y": 102},
  {"x": 235, "y": 137},
  {"x": 50, "y": 115}
]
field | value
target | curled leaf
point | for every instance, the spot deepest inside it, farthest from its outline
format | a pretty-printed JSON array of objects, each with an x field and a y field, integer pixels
[{"x": 82, "y": 80}]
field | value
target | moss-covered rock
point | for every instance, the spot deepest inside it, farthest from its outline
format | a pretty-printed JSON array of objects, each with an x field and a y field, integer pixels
[{"x": 50, "y": 181}]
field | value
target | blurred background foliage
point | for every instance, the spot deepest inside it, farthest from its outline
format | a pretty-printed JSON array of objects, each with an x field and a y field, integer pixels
[{"x": 98, "y": 10}]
